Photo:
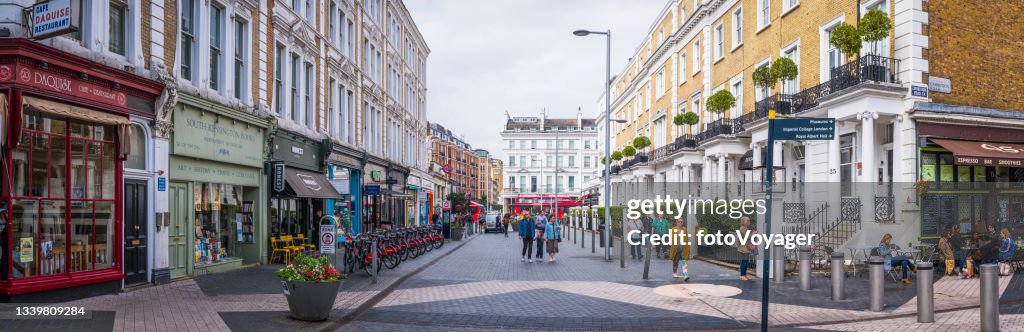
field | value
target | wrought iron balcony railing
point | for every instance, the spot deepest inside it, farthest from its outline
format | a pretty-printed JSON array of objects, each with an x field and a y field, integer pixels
[{"x": 717, "y": 128}]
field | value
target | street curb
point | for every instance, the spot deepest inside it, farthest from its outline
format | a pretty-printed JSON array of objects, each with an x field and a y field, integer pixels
[
  {"x": 909, "y": 314},
  {"x": 373, "y": 301}
]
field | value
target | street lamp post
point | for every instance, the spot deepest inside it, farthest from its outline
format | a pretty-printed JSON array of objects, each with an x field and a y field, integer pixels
[{"x": 607, "y": 136}]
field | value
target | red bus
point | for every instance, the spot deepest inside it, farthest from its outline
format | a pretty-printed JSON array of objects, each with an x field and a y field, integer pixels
[{"x": 536, "y": 203}]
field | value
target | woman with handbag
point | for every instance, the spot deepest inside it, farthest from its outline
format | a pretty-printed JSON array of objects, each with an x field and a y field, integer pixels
[{"x": 745, "y": 249}]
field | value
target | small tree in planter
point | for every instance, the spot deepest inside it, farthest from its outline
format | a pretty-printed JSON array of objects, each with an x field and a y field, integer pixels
[
  {"x": 847, "y": 39},
  {"x": 689, "y": 119},
  {"x": 629, "y": 151},
  {"x": 311, "y": 285},
  {"x": 641, "y": 142},
  {"x": 874, "y": 27},
  {"x": 616, "y": 156},
  {"x": 763, "y": 79},
  {"x": 783, "y": 69},
  {"x": 720, "y": 101}
]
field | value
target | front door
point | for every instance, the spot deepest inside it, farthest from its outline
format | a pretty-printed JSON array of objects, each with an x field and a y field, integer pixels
[
  {"x": 136, "y": 232},
  {"x": 177, "y": 238}
]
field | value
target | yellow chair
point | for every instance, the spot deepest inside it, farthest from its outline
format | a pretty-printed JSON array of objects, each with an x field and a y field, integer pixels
[
  {"x": 289, "y": 244},
  {"x": 277, "y": 252},
  {"x": 301, "y": 241}
]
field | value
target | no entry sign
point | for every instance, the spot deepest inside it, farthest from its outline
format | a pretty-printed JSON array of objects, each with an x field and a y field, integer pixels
[{"x": 327, "y": 239}]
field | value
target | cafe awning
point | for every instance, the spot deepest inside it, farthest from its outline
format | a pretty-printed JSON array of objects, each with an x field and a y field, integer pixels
[
  {"x": 309, "y": 184},
  {"x": 747, "y": 161},
  {"x": 984, "y": 153}
]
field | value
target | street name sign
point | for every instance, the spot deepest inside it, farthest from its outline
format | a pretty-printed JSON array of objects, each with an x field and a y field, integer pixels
[{"x": 805, "y": 129}]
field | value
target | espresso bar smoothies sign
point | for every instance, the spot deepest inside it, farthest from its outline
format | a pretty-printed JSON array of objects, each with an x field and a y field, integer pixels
[
  {"x": 54, "y": 17},
  {"x": 209, "y": 136}
]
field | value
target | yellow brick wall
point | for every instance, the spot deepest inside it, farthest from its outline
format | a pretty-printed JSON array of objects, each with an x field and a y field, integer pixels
[
  {"x": 254, "y": 58},
  {"x": 170, "y": 33},
  {"x": 977, "y": 47},
  {"x": 147, "y": 37}
]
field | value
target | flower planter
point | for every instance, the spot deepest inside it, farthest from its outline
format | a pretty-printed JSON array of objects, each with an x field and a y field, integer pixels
[
  {"x": 311, "y": 301},
  {"x": 457, "y": 234}
]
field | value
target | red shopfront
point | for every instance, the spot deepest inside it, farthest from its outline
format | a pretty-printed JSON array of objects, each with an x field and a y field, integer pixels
[{"x": 65, "y": 132}]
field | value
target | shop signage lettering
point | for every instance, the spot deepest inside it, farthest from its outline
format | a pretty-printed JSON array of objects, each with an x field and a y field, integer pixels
[
  {"x": 208, "y": 171},
  {"x": 805, "y": 129},
  {"x": 297, "y": 150},
  {"x": 989, "y": 161},
  {"x": 161, "y": 184},
  {"x": 53, "y": 17},
  {"x": 64, "y": 85},
  {"x": 309, "y": 182},
  {"x": 918, "y": 91},
  {"x": 327, "y": 239},
  {"x": 216, "y": 138},
  {"x": 279, "y": 177},
  {"x": 1000, "y": 148},
  {"x": 939, "y": 84}
]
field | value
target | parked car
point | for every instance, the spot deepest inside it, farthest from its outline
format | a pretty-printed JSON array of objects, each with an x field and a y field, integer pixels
[{"x": 491, "y": 222}]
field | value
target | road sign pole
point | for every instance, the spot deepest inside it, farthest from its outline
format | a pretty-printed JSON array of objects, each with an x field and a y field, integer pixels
[{"x": 767, "y": 219}]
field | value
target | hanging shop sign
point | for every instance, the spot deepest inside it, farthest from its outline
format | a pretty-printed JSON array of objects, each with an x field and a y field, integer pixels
[
  {"x": 205, "y": 135},
  {"x": 54, "y": 17},
  {"x": 279, "y": 177}
]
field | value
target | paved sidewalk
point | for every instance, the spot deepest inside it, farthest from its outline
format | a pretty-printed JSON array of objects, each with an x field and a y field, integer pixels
[{"x": 243, "y": 300}]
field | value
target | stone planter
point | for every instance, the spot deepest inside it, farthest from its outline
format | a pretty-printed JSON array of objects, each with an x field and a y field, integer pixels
[
  {"x": 311, "y": 301},
  {"x": 457, "y": 233}
]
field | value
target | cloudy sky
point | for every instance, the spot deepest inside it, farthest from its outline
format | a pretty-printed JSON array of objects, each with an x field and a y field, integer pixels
[{"x": 520, "y": 55}]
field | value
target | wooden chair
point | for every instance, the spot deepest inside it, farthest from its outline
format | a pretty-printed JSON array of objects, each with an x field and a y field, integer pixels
[
  {"x": 301, "y": 241},
  {"x": 277, "y": 252}
]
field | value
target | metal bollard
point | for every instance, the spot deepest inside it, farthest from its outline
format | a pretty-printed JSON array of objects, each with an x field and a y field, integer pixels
[
  {"x": 838, "y": 275},
  {"x": 593, "y": 245},
  {"x": 779, "y": 261},
  {"x": 989, "y": 297},
  {"x": 925, "y": 293},
  {"x": 805, "y": 268},
  {"x": 876, "y": 285}
]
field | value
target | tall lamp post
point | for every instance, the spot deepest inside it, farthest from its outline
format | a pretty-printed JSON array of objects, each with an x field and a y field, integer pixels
[{"x": 607, "y": 135}]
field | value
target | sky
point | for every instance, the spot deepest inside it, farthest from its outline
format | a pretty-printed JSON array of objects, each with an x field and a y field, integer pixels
[{"x": 488, "y": 57}]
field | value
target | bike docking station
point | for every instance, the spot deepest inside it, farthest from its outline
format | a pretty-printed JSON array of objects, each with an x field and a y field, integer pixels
[{"x": 802, "y": 129}]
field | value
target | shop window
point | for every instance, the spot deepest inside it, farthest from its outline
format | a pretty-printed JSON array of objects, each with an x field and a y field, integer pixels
[
  {"x": 223, "y": 220},
  {"x": 55, "y": 229},
  {"x": 946, "y": 167}
]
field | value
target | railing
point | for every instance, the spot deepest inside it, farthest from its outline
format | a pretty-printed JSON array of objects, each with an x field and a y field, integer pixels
[
  {"x": 782, "y": 104},
  {"x": 664, "y": 151},
  {"x": 814, "y": 223},
  {"x": 686, "y": 142},
  {"x": 639, "y": 158},
  {"x": 717, "y": 128},
  {"x": 885, "y": 209},
  {"x": 616, "y": 169}
]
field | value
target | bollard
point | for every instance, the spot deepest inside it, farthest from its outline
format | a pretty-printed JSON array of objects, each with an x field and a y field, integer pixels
[
  {"x": 593, "y": 245},
  {"x": 779, "y": 261},
  {"x": 925, "y": 293},
  {"x": 989, "y": 297},
  {"x": 805, "y": 268},
  {"x": 876, "y": 286},
  {"x": 838, "y": 275}
]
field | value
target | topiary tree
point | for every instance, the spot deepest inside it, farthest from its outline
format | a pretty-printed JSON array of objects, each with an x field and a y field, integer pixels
[
  {"x": 784, "y": 69},
  {"x": 874, "y": 27},
  {"x": 628, "y": 151},
  {"x": 763, "y": 79},
  {"x": 616, "y": 155},
  {"x": 720, "y": 101},
  {"x": 689, "y": 119},
  {"x": 641, "y": 142},
  {"x": 847, "y": 39}
]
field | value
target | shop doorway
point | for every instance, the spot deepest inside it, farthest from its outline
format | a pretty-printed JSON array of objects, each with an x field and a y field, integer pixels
[
  {"x": 177, "y": 238},
  {"x": 136, "y": 232}
]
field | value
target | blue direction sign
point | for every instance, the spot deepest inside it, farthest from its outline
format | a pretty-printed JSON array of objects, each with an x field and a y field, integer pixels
[
  {"x": 371, "y": 190},
  {"x": 805, "y": 129}
]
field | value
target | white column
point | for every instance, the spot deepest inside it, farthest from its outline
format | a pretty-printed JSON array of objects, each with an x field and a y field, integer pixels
[
  {"x": 721, "y": 181},
  {"x": 705, "y": 179},
  {"x": 833, "y": 159},
  {"x": 869, "y": 167}
]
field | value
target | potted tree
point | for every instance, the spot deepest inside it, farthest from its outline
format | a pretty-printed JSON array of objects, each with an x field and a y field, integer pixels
[
  {"x": 874, "y": 27},
  {"x": 616, "y": 156},
  {"x": 763, "y": 79},
  {"x": 311, "y": 284},
  {"x": 720, "y": 101},
  {"x": 629, "y": 151},
  {"x": 689, "y": 119},
  {"x": 847, "y": 39},
  {"x": 640, "y": 143},
  {"x": 783, "y": 69}
]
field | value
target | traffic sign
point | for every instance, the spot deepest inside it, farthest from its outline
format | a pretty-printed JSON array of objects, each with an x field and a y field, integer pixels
[
  {"x": 371, "y": 190},
  {"x": 447, "y": 168},
  {"x": 327, "y": 239},
  {"x": 805, "y": 129},
  {"x": 447, "y": 205}
]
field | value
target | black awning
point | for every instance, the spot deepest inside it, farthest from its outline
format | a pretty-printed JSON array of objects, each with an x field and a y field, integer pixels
[
  {"x": 309, "y": 184},
  {"x": 747, "y": 161}
]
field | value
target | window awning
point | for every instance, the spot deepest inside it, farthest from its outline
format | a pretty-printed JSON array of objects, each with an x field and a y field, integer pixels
[
  {"x": 747, "y": 161},
  {"x": 984, "y": 153},
  {"x": 309, "y": 184}
]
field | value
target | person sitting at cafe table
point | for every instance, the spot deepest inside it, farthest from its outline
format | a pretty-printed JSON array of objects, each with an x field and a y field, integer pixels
[
  {"x": 886, "y": 248},
  {"x": 947, "y": 252},
  {"x": 987, "y": 254},
  {"x": 956, "y": 242}
]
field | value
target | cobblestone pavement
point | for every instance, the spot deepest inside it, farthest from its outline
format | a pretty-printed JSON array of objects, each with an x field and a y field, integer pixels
[{"x": 484, "y": 286}]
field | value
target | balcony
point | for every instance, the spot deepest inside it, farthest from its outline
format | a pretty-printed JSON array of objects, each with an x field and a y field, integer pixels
[
  {"x": 686, "y": 142},
  {"x": 717, "y": 128},
  {"x": 639, "y": 158},
  {"x": 664, "y": 151}
]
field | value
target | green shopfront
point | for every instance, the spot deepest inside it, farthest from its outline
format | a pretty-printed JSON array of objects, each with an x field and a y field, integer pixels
[{"x": 216, "y": 189}]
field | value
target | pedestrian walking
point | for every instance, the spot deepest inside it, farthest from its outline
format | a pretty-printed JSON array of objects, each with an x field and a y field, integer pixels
[
  {"x": 660, "y": 225},
  {"x": 635, "y": 251},
  {"x": 468, "y": 221},
  {"x": 745, "y": 249},
  {"x": 680, "y": 252},
  {"x": 504, "y": 224},
  {"x": 526, "y": 231},
  {"x": 552, "y": 236},
  {"x": 539, "y": 225}
]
